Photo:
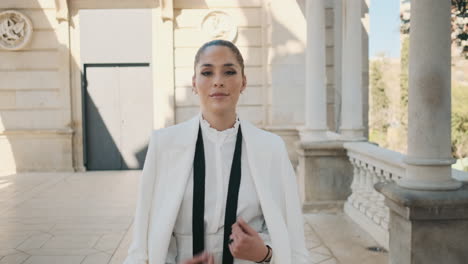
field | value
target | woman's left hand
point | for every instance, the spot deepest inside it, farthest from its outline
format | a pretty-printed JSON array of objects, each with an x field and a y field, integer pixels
[{"x": 247, "y": 243}]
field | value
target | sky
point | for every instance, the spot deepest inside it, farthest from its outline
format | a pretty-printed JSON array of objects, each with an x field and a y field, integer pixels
[{"x": 384, "y": 33}]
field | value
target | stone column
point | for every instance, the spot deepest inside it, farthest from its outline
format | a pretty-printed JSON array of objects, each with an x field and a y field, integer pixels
[
  {"x": 324, "y": 170},
  {"x": 429, "y": 156},
  {"x": 351, "y": 109},
  {"x": 428, "y": 210},
  {"x": 316, "y": 96}
]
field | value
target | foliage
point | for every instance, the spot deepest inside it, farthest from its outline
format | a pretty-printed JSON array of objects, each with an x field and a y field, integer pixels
[
  {"x": 378, "y": 86},
  {"x": 379, "y": 101},
  {"x": 404, "y": 82},
  {"x": 459, "y": 121},
  {"x": 459, "y": 24}
]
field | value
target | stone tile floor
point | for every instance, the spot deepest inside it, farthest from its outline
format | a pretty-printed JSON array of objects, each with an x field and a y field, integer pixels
[{"x": 85, "y": 218}]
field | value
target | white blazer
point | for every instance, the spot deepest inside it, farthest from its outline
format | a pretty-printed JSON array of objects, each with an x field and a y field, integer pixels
[{"x": 167, "y": 167}]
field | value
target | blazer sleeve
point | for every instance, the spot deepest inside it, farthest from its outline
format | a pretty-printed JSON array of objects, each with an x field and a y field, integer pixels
[
  {"x": 138, "y": 249},
  {"x": 265, "y": 235},
  {"x": 294, "y": 216}
]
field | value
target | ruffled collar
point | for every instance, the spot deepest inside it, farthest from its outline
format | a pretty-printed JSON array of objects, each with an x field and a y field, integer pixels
[{"x": 216, "y": 135}]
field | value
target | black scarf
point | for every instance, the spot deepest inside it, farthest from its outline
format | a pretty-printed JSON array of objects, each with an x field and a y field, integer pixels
[{"x": 198, "y": 213}]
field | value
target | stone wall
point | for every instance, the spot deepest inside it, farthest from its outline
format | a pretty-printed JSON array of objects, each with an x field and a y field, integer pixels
[
  {"x": 35, "y": 132},
  {"x": 40, "y": 87}
]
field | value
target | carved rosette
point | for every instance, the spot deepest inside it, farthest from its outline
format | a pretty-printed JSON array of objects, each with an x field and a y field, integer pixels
[
  {"x": 15, "y": 30},
  {"x": 219, "y": 25}
]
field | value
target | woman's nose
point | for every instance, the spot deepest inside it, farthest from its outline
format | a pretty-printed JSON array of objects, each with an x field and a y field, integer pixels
[{"x": 218, "y": 81}]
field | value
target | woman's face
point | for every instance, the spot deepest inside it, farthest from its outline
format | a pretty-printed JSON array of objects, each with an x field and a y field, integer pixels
[{"x": 218, "y": 80}]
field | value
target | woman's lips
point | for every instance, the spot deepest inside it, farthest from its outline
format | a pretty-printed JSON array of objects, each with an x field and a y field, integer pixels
[{"x": 218, "y": 95}]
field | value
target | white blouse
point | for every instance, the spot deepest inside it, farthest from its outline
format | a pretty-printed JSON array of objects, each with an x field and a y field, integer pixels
[{"x": 219, "y": 151}]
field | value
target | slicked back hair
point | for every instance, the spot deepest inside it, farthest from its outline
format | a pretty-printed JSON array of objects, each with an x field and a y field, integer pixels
[{"x": 220, "y": 42}]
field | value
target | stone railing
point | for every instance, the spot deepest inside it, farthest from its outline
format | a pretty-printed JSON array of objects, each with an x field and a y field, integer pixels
[{"x": 365, "y": 205}]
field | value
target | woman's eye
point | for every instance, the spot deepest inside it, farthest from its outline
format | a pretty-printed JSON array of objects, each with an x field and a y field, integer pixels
[
  {"x": 231, "y": 72},
  {"x": 206, "y": 73}
]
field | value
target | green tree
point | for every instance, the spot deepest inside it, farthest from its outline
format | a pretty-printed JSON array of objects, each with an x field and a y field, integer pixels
[
  {"x": 460, "y": 121},
  {"x": 404, "y": 62},
  {"x": 379, "y": 102},
  {"x": 459, "y": 24}
]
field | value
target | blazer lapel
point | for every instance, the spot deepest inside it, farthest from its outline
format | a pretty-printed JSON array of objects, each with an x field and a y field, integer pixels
[
  {"x": 172, "y": 186},
  {"x": 259, "y": 163}
]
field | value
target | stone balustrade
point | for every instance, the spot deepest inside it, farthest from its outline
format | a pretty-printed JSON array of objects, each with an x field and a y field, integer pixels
[
  {"x": 372, "y": 164},
  {"x": 365, "y": 205}
]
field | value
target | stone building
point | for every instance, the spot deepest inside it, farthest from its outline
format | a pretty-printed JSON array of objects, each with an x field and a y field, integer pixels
[
  {"x": 49, "y": 109},
  {"x": 83, "y": 82}
]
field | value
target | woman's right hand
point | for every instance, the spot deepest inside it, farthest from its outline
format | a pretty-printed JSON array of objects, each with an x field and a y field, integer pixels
[{"x": 203, "y": 258}]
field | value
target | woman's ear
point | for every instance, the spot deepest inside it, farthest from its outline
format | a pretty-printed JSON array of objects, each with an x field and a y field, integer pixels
[
  {"x": 244, "y": 83},
  {"x": 194, "y": 88}
]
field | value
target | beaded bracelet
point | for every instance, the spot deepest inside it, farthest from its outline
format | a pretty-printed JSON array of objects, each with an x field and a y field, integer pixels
[{"x": 266, "y": 257}]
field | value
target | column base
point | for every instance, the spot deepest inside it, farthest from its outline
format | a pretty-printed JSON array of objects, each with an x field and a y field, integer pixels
[
  {"x": 427, "y": 226},
  {"x": 430, "y": 186},
  {"x": 429, "y": 174},
  {"x": 325, "y": 175}
]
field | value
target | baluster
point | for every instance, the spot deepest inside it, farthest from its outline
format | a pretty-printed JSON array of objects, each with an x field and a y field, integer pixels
[
  {"x": 355, "y": 183},
  {"x": 360, "y": 184},
  {"x": 378, "y": 198},
  {"x": 367, "y": 190}
]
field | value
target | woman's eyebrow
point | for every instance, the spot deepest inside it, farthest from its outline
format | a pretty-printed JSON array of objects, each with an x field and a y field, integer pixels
[{"x": 229, "y": 64}]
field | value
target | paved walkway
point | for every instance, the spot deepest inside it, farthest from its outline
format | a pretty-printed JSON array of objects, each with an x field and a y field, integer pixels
[{"x": 85, "y": 218}]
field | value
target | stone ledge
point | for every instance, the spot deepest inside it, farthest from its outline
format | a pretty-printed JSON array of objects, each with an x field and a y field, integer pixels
[
  {"x": 29, "y": 132},
  {"x": 426, "y": 205},
  {"x": 330, "y": 144},
  {"x": 321, "y": 148}
]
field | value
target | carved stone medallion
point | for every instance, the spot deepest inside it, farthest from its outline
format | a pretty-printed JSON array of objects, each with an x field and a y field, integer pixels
[
  {"x": 15, "y": 30},
  {"x": 219, "y": 25}
]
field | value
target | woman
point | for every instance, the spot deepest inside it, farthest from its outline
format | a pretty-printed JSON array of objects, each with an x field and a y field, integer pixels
[{"x": 217, "y": 171}]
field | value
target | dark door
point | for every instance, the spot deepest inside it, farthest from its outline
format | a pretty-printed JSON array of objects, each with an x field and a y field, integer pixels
[{"x": 118, "y": 115}]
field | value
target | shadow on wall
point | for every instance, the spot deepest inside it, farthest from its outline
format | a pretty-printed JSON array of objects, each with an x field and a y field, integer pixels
[
  {"x": 102, "y": 151},
  {"x": 37, "y": 125},
  {"x": 118, "y": 114}
]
